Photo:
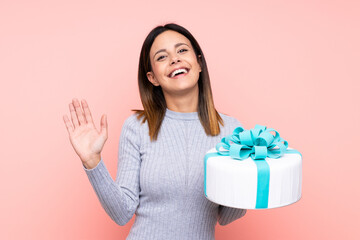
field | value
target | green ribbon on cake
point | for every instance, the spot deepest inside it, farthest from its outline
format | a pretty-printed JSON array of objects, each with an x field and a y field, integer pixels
[{"x": 257, "y": 143}]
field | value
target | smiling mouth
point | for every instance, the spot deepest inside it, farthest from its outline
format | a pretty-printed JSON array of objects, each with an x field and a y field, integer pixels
[
  {"x": 179, "y": 76},
  {"x": 180, "y": 73}
]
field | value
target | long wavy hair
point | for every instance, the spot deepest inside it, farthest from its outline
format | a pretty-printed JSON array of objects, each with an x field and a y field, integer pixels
[{"x": 153, "y": 99}]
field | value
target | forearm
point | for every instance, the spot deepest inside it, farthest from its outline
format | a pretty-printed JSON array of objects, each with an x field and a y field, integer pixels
[
  {"x": 227, "y": 215},
  {"x": 120, "y": 206}
]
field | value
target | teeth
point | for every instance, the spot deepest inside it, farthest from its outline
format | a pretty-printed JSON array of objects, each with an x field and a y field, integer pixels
[{"x": 182, "y": 70}]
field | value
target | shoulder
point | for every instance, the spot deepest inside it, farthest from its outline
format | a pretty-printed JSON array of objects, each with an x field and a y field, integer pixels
[
  {"x": 133, "y": 120},
  {"x": 230, "y": 123},
  {"x": 133, "y": 124}
]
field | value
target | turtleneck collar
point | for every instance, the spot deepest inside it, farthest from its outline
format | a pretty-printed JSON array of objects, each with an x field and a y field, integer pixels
[{"x": 181, "y": 115}]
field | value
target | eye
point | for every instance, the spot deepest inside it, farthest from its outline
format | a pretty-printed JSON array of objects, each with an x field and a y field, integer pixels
[
  {"x": 159, "y": 58},
  {"x": 181, "y": 50}
]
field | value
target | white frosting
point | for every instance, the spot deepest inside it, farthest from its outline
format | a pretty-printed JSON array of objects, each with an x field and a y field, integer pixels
[{"x": 233, "y": 183}]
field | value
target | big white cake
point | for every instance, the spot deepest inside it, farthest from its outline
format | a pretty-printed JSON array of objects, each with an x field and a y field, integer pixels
[{"x": 253, "y": 183}]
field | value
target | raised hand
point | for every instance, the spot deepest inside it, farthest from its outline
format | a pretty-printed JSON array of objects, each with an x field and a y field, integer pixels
[{"x": 86, "y": 140}]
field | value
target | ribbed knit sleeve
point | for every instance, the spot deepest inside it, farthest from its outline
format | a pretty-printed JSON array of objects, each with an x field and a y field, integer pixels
[
  {"x": 120, "y": 198},
  {"x": 227, "y": 215}
]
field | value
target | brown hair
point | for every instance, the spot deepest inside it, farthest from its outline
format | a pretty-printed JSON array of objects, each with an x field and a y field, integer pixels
[{"x": 153, "y": 99}]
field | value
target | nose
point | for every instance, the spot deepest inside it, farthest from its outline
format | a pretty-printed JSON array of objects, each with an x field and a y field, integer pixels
[{"x": 174, "y": 60}]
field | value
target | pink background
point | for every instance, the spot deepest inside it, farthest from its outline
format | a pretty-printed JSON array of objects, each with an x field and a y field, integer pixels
[{"x": 290, "y": 66}]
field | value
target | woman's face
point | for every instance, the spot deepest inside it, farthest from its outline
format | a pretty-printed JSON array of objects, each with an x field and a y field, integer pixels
[{"x": 171, "y": 51}]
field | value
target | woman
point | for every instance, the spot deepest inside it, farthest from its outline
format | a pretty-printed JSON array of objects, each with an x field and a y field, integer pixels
[{"x": 160, "y": 174}]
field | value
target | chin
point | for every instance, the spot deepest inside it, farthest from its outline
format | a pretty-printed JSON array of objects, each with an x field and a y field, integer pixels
[{"x": 186, "y": 89}]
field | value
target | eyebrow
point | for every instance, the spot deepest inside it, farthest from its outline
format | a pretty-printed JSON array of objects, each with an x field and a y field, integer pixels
[{"x": 176, "y": 45}]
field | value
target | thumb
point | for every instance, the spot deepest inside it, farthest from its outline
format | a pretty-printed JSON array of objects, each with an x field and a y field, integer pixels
[{"x": 104, "y": 126}]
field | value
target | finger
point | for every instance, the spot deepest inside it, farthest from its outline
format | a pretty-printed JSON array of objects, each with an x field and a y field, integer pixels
[
  {"x": 73, "y": 116},
  {"x": 104, "y": 126},
  {"x": 68, "y": 124},
  {"x": 87, "y": 112},
  {"x": 79, "y": 113}
]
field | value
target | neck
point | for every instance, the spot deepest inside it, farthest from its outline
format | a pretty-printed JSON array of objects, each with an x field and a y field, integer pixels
[{"x": 183, "y": 103}]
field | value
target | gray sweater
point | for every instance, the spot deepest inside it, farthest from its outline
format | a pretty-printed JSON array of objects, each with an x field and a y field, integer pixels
[{"x": 162, "y": 182}]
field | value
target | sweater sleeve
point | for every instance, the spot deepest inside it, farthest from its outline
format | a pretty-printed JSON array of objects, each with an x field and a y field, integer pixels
[
  {"x": 120, "y": 198},
  {"x": 227, "y": 215}
]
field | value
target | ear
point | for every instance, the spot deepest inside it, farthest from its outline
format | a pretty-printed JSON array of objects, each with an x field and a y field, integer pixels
[
  {"x": 152, "y": 79},
  {"x": 200, "y": 63}
]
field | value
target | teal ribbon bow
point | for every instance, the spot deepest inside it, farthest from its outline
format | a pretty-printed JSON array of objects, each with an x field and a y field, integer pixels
[{"x": 257, "y": 143}]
